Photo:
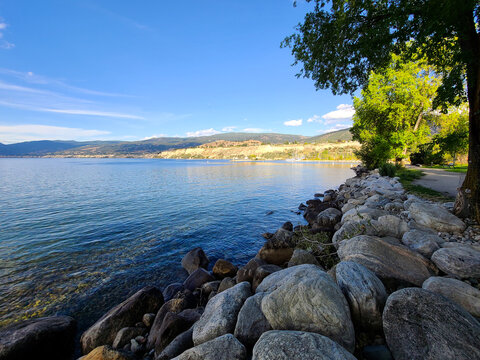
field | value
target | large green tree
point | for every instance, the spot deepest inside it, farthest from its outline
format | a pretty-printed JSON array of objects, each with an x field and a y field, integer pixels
[
  {"x": 393, "y": 107},
  {"x": 341, "y": 41}
]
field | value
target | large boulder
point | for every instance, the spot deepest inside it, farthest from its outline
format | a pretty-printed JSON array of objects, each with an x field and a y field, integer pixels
[
  {"x": 178, "y": 345},
  {"x": 224, "y": 347},
  {"x": 220, "y": 315},
  {"x": 251, "y": 322},
  {"x": 195, "y": 259},
  {"x": 351, "y": 229},
  {"x": 197, "y": 278},
  {"x": 126, "y": 334},
  {"x": 328, "y": 218},
  {"x": 44, "y": 338},
  {"x": 173, "y": 325},
  {"x": 171, "y": 290},
  {"x": 423, "y": 242},
  {"x": 459, "y": 261},
  {"x": 392, "y": 226},
  {"x": 421, "y": 325},
  {"x": 435, "y": 217},
  {"x": 392, "y": 263},
  {"x": 301, "y": 257},
  {"x": 458, "y": 291},
  {"x": 223, "y": 269},
  {"x": 306, "y": 298},
  {"x": 298, "y": 345},
  {"x": 315, "y": 207},
  {"x": 128, "y": 313},
  {"x": 364, "y": 292},
  {"x": 363, "y": 213}
]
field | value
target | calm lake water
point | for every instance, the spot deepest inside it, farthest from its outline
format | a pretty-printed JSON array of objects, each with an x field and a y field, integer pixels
[{"x": 77, "y": 236}]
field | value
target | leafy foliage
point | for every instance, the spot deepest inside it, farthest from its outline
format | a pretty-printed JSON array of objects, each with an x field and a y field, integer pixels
[{"x": 387, "y": 169}]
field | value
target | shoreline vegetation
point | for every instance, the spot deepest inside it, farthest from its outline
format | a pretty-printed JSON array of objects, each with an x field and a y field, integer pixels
[{"x": 374, "y": 270}]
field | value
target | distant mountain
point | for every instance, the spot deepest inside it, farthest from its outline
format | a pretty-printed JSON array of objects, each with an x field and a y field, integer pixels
[
  {"x": 151, "y": 146},
  {"x": 334, "y": 136}
]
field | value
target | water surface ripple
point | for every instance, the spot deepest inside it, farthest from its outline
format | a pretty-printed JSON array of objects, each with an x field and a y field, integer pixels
[{"x": 79, "y": 235}]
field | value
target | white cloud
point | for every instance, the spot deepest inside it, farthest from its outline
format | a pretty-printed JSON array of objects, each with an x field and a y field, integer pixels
[
  {"x": 18, "y": 133},
  {"x": 155, "y": 136},
  {"x": 255, "y": 130},
  {"x": 3, "y": 26},
  {"x": 293, "y": 122},
  {"x": 205, "y": 132},
  {"x": 229, "y": 128},
  {"x": 314, "y": 118},
  {"x": 4, "y": 44},
  {"x": 343, "y": 112}
]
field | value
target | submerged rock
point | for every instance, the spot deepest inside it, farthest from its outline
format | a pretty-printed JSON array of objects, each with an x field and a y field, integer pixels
[
  {"x": 298, "y": 345},
  {"x": 195, "y": 259},
  {"x": 421, "y": 325}
]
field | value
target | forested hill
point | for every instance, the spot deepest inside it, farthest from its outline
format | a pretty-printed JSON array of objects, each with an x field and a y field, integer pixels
[{"x": 150, "y": 146}]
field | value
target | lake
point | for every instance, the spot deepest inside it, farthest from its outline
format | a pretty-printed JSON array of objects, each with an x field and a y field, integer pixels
[{"x": 78, "y": 236}]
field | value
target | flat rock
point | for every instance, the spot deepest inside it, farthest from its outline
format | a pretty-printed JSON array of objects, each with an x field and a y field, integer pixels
[
  {"x": 422, "y": 242},
  {"x": 301, "y": 257},
  {"x": 459, "y": 261},
  {"x": 422, "y": 325},
  {"x": 224, "y": 347},
  {"x": 197, "y": 278},
  {"x": 298, "y": 345},
  {"x": 392, "y": 263},
  {"x": 195, "y": 259},
  {"x": 220, "y": 315},
  {"x": 251, "y": 322},
  {"x": 435, "y": 217},
  {"x": 364, "y": 292},
  {"x": 223, "y": 269},
  {"x": 48, "y": 337},
  {"x": 306, "y": 298},
  {"x": 458, "y": 291},
  {"x": 126, "y": 314}
]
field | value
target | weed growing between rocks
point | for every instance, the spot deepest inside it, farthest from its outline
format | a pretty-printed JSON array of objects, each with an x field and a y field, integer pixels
[{"x": 319, "y": 244}]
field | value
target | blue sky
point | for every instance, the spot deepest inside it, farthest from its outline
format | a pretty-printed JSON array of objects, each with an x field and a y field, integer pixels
[{"x": 131, "y": 70}]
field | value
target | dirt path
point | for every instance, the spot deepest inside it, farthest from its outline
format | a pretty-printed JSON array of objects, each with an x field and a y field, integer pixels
[{"x": 440, "y": 180}]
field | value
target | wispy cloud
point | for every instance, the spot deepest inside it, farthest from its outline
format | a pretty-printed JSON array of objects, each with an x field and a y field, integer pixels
[
  {"x": 314, "y": 118},
  {"x": 205, "y": 132},
  {"x": 293, "y": 122},
  {"x": 18, "y": 133},
  {"x": 4, "y": 44},
  {"x": 155, "y": 136},
  {"x": 343, "y": 112},
  {"x": 229, "y": 128},
  {"x": 122, "y": 18},
  {"x": 256, "y": 130}
]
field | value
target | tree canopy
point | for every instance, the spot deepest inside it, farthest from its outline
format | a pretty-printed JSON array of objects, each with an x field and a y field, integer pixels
[{"x": 341, "y": 41}]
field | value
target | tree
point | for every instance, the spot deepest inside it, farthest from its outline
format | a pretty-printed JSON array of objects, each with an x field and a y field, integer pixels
[
  {"x": 393, "y": 106},
  {"x": 453, "y": 135},
  {"x": 339, "y": 45}
]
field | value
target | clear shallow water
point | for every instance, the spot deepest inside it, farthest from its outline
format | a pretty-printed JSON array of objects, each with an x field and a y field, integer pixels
[{"x": 78, "y": 236}]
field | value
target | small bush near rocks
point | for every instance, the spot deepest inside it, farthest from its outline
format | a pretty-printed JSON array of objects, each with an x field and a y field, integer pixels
[
  {"x": 319, "y": 244},
  {"x": 387, "y": 169}
]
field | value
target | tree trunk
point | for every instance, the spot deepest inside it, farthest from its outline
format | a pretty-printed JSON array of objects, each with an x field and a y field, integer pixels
[{"x": 468, "y": 197}]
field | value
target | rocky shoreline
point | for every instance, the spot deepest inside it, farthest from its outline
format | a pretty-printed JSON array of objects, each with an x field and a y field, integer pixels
[{"x": 376, "y": 274}]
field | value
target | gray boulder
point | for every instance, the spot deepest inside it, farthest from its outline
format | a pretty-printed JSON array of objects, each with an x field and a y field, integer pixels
[
  {"x": 225, "y": 284},
  {"x": 363, "y": 213},
  {"x": 392, "y": 226},
  {"x": 329, "y": 218},
  {"x": 197, "y": 278},
  {"x": 458, "y": 291},
  {"x": 301, "y": 257},
  {"x": 364, "y": 292},
  {"x": 251, "y": 322},
  {"x": 171, "y": 290},
  {"x": 220, "y": 315},
  {"x": 126, "y": 334},
  {"x": 392, "y": 263},
  {"x": 262, "y": 272},
  {"x": 459, "y": 261},
  {"x": 298, "y": 345},
  {"x": 225, "y": 347},
  {"x": 247, "y": 272},
  {"x": 126, "y": 314},
  {"x": 178, "y": 345},
  {"x": 351, "y": 229},
  {"x": 421, "y": 325},
  {"x": 195, "y": 259},
  {"x": 422, "y": 242},
  {"x": 435, "y": 217},
  {"x": 306, "y": 298},
  {"x": 44, "y": 338}
]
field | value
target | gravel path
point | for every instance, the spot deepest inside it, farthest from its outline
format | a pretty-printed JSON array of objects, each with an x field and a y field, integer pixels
[{"x": 440, "y": 180}]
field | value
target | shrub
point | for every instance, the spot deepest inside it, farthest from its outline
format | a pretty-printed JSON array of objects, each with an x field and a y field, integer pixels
[
  {"x": 387, "y": 169},
  {"x": 374, "y": 153},
  {"x": 426, "y": 155}
]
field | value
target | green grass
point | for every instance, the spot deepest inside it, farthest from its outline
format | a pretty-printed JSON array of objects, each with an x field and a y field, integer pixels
[
  {"x": 457, "y": 169},
  {"x": 407, "y": 176}
]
